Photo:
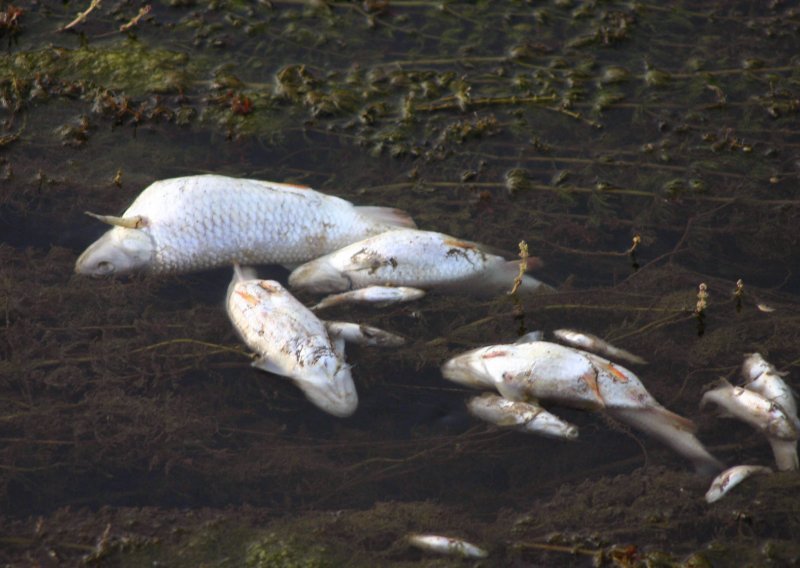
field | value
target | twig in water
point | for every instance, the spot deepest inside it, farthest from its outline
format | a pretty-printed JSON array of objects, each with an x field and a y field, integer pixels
[
  {"x": 82, "y": 16},
  {"x": 135, "y": 20},
  {"x": 523, "y": 266}
]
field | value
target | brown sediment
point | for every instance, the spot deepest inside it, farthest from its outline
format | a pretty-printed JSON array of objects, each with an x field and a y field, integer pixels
[{"x": 132, "y": 427}]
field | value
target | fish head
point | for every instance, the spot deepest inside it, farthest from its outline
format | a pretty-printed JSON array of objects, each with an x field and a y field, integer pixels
[
  {"x": 119, "y": 251},
  {"x": 754, "y": 366},
  {"x": 319, "y": 276},
  {"x": 469, "y": 369},
  {"x": 334, "y": 393}
]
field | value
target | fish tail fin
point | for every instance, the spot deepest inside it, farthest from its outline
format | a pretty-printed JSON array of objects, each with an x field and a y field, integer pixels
[
  {"x": 388, "y": 216},
  {"x": 785, "y": 452},
  {"x": 671, "y": 429}
]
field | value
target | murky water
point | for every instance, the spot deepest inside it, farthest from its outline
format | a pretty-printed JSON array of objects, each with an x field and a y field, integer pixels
[{"x": 132, "y": 428}]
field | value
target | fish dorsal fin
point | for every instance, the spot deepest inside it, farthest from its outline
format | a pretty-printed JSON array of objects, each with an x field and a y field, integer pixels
[
  {"x": 243, "y": 273},
  {"x": 134, "y": 222},
  {"x": 530, "y": 337}
]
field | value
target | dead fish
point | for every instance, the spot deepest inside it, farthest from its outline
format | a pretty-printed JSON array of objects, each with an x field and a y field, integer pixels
[
  {"x": 362, "y": 334},
  {"x": 292, "y": 342},
  {"x": 763, "y": 378},
  {"x": 593, "y": 343},
  {"x": 446, "y": 545},
  {"x": 760, "y": 413},
  {"x": 376, "y": 295},
  {"x": 540, "y": 370},
  {"x": 523, "y": 416},
  {"x": 418, "y": 259},
  {"x": 730, "y": 478},
  {"x": 752, "y": 408},
  {"x": 197, "y": 222}
]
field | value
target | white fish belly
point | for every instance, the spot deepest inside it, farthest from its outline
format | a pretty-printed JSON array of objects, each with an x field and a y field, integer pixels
[
  {"x": 205, "y": 221},
  {"x": 279, "y": 328},
  {"x": 555, "y": 373}
]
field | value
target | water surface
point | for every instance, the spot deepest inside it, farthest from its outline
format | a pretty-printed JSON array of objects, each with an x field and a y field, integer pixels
[{"x": 133, "y": 428}]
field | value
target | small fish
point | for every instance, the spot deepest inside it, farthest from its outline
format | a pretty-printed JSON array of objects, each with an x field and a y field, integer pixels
[
  {"x": 198, "y": 222},
  {"x": 446, "y": 545},
  {"x": 523, "y": 416},
  {"x": 362, "y": 334},
  {"x": 540, "y": 370},
  {"x": 591, "y": 342},
  {"x": 377, "y": 295},
  {"x": 292, "y": 342},
  {"x": 763, "y": 415},
  {"x": 752, "y": 408},
  {"x": 730, "y": 478},
  {"x": 418, "y": 259},
  {"x": 762, "y": 377}
]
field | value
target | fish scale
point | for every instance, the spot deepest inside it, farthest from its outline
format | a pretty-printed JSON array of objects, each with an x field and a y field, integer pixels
[
  {"x": 198, "y": 222},
  {"x": 244, "y": 222}
]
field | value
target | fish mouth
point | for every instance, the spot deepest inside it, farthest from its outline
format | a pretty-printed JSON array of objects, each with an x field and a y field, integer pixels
[
  {"x": 467, "y": 370},
  {"x": 336, "y": 396},
  {"x": 753, "y": 367},
  {"x": 117, "y": 252}
]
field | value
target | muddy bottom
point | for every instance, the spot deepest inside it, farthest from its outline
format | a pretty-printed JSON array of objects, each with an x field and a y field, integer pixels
[{"x": 650, "y": 517}]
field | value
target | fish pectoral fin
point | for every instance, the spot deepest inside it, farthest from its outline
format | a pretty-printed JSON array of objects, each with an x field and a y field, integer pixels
[
  {"x": 266, "y": 365},
  {"x": 134, "y": 222},
  {"x": 337, "y": 343}
]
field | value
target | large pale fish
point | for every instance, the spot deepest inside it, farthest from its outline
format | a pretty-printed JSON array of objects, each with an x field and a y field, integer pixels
[
  {"x": 763, "y": 415},
  {"x": 198, "y": 222},
  {"x": 412, "y": 258},
  {"x": 291, "y": 341},
  {"x": 540, "y": 370}
]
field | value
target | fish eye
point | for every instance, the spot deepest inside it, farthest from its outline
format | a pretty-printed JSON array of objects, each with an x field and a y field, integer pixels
[{"x": 104, "y": 267}]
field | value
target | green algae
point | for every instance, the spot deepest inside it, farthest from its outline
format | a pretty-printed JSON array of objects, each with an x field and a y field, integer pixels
[{"x": 131, "y": 68}]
